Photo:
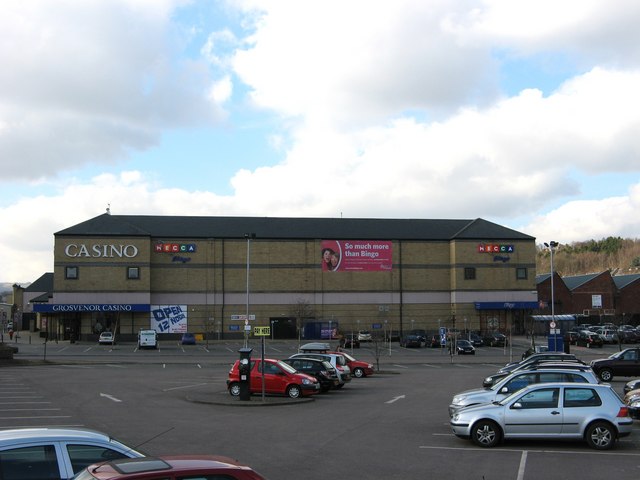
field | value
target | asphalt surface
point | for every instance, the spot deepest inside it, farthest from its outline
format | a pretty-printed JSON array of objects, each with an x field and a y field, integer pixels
[{"x": 393, "y": 424}]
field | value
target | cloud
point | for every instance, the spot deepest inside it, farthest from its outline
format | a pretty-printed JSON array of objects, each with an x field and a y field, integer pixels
[
  {"x": 89, "y": 81},
  {"x": 590, "y": 219}
]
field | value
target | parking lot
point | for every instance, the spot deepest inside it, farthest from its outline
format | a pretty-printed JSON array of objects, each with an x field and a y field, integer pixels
[{"x": 393, "y": 424}]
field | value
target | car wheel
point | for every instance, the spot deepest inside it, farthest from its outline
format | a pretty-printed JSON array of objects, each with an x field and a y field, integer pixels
[
  {"x": 358, "y": 372},
  {"x": 486, "y": 433},
  {"x": 293, "y": 391},
  {"x": 601, "y": 436},
  {"x": 234, "y": 389},
  {"x": 606, "y": 375}
]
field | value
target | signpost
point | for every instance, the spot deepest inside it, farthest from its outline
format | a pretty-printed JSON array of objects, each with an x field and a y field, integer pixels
[{"x": 262, "y": 332}]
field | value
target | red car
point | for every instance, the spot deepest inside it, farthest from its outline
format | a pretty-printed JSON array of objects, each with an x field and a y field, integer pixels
[
  {"x": 169, "y": 468},
  {"x": 358, "y": 368},
  {"x": 279, "y": 378}
]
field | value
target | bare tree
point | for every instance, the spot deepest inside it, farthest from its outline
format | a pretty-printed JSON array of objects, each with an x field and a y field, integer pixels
[{"x": 300, "y": 310}]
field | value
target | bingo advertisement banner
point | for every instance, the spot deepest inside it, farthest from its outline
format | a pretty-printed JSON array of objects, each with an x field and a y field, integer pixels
[
  {"x": 356, "y": 255},
  {"x": 169, "y": 318}
]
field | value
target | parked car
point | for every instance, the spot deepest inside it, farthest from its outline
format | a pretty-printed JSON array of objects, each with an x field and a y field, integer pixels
[
  {"x": 632, "y": 401},
  {"x": 528, "y": 362},
  {"x": 476, "y": 340},
  {"x": 534, "y": 349},
  {"x": 622, "y": 364},
  {"x": 607, "y": 335},
  {"x": 279, "y": 378},
  {"x": 517, "y": 381},
  {"x": 188, "y": 338},
  {"x": 464, "y": 347},
  {"x": 364, "y": 336},
  {"x": 593, "y": 413},
  {"x": 322, "y": 370},
  {"x": 338, "y": 361},
  {"x": 495, "y": 340},
  {"x": 170, "y": 468},
  {"x": 358, "y": 368},
  {"x": 420, "y": 333},
  {"x": 589, "y": 339},
  {"x": 411, "y": 341},
  {"x": 571, "y": 337},
  {"x": 106, "y": 338},
  {"x": 628, "y": 335},
  {"x": 41, "y": 453},
  {"x": 631, "y": 385},
  {"x": 147, "y": 339}
]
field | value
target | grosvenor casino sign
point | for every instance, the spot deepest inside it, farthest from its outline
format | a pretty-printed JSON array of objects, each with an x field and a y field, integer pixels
[{"x": 100, "y": 251}]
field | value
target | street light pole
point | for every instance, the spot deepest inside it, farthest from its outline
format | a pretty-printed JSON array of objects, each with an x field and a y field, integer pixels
[
  {"x": 552, "y": 245},
  {"x": 248, "y": 236}
]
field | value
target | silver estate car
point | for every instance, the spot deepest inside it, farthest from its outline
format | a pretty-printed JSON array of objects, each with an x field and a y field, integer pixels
[
  {"x": 517, "y": 381},
  {"x": 593, "y": 413},
  {"x": 56, "y": 452}
]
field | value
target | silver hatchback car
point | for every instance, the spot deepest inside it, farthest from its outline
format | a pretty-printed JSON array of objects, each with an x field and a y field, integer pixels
[
  {"x": 593, "y": 413},
  {"x": 56, "y": 452},
  {"x": 517, "y": 381}
]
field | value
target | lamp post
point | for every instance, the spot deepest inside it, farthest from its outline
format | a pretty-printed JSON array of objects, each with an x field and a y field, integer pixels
[
  {"x": 248, "y": 236},
  {"x": 551, "y": 246}
]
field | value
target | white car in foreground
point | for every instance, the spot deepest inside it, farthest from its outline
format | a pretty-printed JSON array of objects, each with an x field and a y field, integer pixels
[
  {"x": 56, "y": 452},
  {"x": 552, "y": 411}
]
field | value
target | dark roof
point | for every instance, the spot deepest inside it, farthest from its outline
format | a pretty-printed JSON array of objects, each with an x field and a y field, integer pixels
[
  {"x": 292, "y": 228},
  {"x": 576, "y": 281},
  {"x": 622, "y": 281},
  {"x": 42, "y": 284}
]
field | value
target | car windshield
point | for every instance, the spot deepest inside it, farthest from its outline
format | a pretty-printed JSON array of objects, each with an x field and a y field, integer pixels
[
  {"x": 286, "y": 367},
  {"x": 348, "y": 357}
]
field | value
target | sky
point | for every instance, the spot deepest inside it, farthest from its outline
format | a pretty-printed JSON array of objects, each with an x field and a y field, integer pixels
[{"x": 524, "y": 113}]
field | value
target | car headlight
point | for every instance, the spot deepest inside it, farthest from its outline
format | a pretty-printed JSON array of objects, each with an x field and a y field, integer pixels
[
  {"x": 459, "y": 399},
  {"x": 306, "y": 381},
  {"x": 488, "y": 379},
  {"x": 370, "y": 365},
  {"x": 455, "y": 417}
]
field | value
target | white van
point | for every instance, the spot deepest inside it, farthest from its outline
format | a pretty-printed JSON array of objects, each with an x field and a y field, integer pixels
[{"x": 147, "y": 339}]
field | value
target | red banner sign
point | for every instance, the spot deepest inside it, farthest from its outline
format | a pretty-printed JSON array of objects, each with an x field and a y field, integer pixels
[{"x": 356, "y": 255}]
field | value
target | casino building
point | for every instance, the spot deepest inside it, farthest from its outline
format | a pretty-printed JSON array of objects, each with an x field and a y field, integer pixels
[{"x": 303, "y": 277}]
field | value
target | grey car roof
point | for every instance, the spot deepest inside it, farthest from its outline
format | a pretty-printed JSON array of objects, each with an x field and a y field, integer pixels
[{"x": 23, "y": 435}]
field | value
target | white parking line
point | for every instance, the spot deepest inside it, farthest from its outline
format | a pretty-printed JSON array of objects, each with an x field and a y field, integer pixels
[
  {"x": 185, "y": 386},
  {"x": 400, "y": 366},
  {"x": 523, "y": 463},
  {"x": 431, "y": 365}
]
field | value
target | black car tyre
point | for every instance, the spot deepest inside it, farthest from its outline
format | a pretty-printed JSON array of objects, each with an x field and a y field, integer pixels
[
  {"x": 605, "y": 375},
  {"x": 601, "y": 435},
  {"x": 294, "y": 391},
  {"x": 358, "y": 372},
  {"x": 486, "y": 433},
  {"x": 234, "y": 389}
]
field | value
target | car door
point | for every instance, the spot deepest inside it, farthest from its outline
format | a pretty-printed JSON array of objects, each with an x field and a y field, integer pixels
[
  {"x": 534, "y": 414},
  {"x": 578, "y": 403},
  {"x": 629, "y": 364},
  {"x": 275, "y": 380},
  {"x": 31, "y": 461}
]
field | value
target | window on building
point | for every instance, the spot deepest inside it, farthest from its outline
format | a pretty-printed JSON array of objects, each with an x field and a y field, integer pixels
[
  {"x": 71, "y": 273},
  {"x": 133, "y": 273},
  {"x": 521, "y": 273},
  {"x": 469, "y": 273}
]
